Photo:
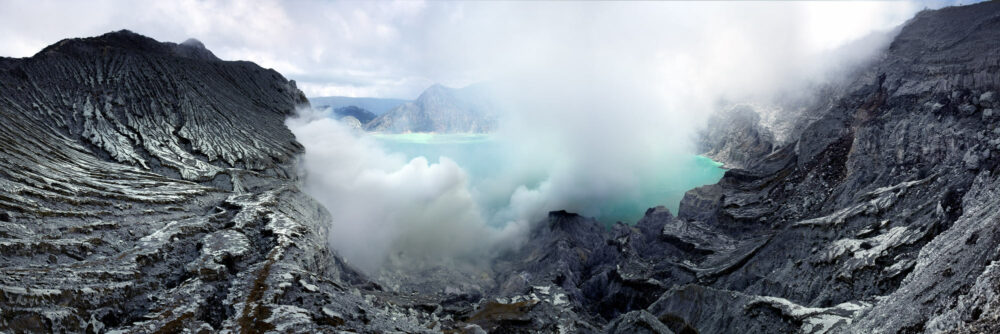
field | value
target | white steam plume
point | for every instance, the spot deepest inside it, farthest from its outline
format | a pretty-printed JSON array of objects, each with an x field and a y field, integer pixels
[
  {"x": 599, "y": 97},
  {"x": 382, "y": 203}
]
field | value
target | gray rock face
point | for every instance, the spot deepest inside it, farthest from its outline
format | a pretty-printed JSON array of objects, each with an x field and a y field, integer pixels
[
  {"x": 876, "y": 218},
  {"x": 639, "y": 322},
  {"x": 440, "y": 109},
  {"x": 146, "y": 186},
  {"x": 876, "y": 212},
  {"x": 736, "y": 136}
]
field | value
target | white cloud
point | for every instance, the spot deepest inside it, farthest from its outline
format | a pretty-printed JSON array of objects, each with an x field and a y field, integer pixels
[
  {"x": 404, "y": 45},
  {"x": 830, "y": 24}
]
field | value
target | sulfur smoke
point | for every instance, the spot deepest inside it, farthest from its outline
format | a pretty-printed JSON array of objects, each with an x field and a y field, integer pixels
[{"x": 597, "y": 97}]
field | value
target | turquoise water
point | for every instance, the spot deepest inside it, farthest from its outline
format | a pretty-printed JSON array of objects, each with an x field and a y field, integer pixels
[{"x": 494, "y": 174}]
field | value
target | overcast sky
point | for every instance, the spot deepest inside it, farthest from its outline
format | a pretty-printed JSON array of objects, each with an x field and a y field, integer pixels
[{"x": 396, "y": 49}]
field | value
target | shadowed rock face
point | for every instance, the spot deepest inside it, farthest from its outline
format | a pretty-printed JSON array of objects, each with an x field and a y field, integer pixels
[
  {"x": 736, "y": 136},
  {"x": 879, "y": 216},
  {"x": 363, "y": 116},
  {"x": 148, "y": 186},
  {"x": 171, "y": 109},
  {"x": 876, "y": 213},
  {"x": 377, "y": 106}
]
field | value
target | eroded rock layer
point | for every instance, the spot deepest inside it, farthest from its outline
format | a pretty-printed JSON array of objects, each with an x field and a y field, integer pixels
[
  {"x": 878, "y": 216},
  {"x": 149, "y": 186}
]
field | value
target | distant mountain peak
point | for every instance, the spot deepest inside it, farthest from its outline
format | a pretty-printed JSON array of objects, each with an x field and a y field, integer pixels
[
  {"x": 439, "y": 109},
  {"x": 435, "y": 90}
]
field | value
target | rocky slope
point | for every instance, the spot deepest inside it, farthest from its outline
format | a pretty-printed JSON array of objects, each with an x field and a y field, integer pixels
[
  {"x": 440, "y": 109},
  {"x": 878, "y": 216},
  {"x": 148, "y": 187},
  {"x": 736, "y": 136}
]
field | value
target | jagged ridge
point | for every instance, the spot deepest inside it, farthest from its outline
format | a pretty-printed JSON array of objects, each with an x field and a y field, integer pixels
[
  {"x": 879, "y": 217},
  {"x": 150, "y": 187}
]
